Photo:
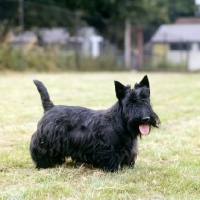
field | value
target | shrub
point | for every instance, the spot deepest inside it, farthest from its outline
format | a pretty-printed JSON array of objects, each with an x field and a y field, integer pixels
[{"x": 51, "y": 59}]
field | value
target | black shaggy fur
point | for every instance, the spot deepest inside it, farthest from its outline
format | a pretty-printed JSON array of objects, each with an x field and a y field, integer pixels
[{"x": 107, "y": 139}]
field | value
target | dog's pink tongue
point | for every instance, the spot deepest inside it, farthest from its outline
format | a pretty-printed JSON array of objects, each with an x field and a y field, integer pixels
[{"x": 144, "y": 129}]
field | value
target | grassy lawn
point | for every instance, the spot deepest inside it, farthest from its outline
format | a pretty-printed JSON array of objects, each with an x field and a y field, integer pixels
[{"x": 168, "y": 164}]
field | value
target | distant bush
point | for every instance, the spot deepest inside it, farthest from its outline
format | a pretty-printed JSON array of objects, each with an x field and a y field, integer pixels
[
  {"x": 166, "y": 66},
  {"x": 52, "y": 59}
]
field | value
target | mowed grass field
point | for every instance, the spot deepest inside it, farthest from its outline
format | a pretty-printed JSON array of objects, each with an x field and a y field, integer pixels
[{"x": 168, "y": 163}]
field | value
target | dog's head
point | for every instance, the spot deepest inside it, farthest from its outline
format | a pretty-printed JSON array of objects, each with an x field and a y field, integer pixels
[{"x": 137, "y": 112}]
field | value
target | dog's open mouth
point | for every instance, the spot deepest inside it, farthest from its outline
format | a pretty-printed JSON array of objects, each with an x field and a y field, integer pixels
[{"x": 144, "y": 129}]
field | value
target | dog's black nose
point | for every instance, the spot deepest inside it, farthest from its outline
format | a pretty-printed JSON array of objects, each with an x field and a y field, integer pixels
[{"x": 145, "y": 119}]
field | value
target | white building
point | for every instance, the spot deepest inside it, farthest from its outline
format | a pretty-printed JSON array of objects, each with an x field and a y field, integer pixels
[{"x": 178, "y": 43}]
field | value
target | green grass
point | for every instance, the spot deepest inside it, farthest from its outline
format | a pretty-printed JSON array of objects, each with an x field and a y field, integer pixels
[{"x": 168, "y": 164}]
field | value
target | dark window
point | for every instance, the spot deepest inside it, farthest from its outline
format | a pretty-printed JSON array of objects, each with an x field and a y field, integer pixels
[{"x": 183, "y": 46}]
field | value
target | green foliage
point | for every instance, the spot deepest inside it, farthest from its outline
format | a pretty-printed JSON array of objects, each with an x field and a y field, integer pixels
[
  {"x": 107, "y": 16},
  {"x": 160, "y": 12},
  {"x": 48, "y": 13},
  {"x": 40, "y": 15},
  {"x": 167, "y": 66},
  {"x": 11, "y": 13},
  {"x": 106, "y": 10},
  {"x": 51, "y": 59},
  {"x": 180, "y": 8},
  {"x": 157, "y": 12},
  {"x": 168, "y": 162}
]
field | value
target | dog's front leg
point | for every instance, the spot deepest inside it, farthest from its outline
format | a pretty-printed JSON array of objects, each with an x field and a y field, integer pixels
[
  {"x": 108, "y": 159},
  {"x": 129, "y": 154}
]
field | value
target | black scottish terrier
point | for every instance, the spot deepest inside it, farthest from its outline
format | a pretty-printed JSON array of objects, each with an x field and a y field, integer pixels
[{"x": 107, "y": 139}]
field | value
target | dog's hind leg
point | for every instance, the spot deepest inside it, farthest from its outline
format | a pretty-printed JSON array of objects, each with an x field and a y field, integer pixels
[
  {"x": 40, "y": 153},
  {"x": 57, "y": 158},
  {"x": 44, "y": 159},
  {"x": 41, "y": 161}
]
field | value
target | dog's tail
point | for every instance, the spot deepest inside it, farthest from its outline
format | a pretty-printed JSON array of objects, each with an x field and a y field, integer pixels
[{"x": 46, "y": 102}]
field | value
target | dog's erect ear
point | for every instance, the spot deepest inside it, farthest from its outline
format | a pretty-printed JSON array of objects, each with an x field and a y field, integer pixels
[
  {"x": 120, "y": 90},
  {"x": 145, "y": 81}
]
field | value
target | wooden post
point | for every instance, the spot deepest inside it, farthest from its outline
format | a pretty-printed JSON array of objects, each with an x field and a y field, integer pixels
[
  {"x": 127, "y": 44},
  {"x": 77, "y": 55},
  {"x": 21, "y": 15},
  {"x": 140, "y": 47},
  {"x": 21, "y": 29}
]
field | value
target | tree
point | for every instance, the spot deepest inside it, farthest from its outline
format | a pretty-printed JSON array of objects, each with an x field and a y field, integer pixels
[
  {"x": 107, "y": 16},
  {"x": 99, "y": 13},
  {"x": 167, "y": 11},
  {"x": 180, "y": 9}
]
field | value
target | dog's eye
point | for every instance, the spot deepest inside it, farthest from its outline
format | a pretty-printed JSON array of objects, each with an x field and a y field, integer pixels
[
  {"x": 133, "y": 97},
  {"x": 144, "y": 96},
  {"x": 132, "y": 101}
]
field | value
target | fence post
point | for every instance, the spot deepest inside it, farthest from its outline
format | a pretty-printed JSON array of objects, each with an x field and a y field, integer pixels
[
  {"x": 127, "y": 44},
  {"x": 140, "y": 47},
  {"x": 21, "y": 29},
  {"x": 77, "y": 55}
]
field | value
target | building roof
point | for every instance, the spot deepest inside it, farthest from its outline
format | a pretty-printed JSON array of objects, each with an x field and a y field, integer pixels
[
  {"x": 177, "y": 33},
  {"x": 54, "y": 35},
  {"x": 188, "y": 20}
]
